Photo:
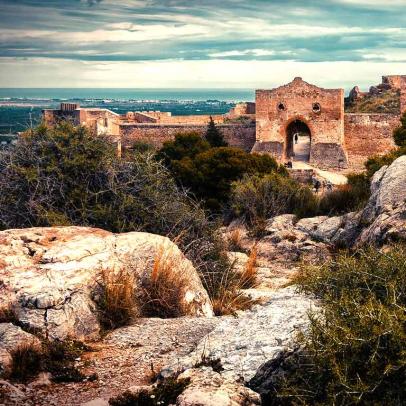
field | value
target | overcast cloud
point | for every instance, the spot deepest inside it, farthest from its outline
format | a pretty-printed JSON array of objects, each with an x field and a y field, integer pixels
[{"x": 196, "y": 43}]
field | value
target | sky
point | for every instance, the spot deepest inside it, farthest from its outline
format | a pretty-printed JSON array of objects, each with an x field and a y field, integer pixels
[{"x": 200, "y": 43}]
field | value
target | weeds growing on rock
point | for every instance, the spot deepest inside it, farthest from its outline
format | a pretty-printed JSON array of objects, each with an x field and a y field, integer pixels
[
  {"x": 214, "y": 363},
  {"x": 229, "y": 296},
  {"x": 235, "y": 241},
  {"x": 56, "y": 357},
  {"x": 116, "y": 301},
  {"x": 164, "y": 393},
  {"x": 26, "y": 362},
  {"x": 163, "y": 293}
]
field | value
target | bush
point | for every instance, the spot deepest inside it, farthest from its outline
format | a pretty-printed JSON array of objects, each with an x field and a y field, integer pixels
[
  {"x": 184, "y": 145},
  {"x": 26, "y": 362},
  {"x": 355, "y": 350},
  {"x": 256, "y": 198},
  {"x": 399, "y": 135},
  {"x": 56, "y": 357},
  {"x": 374, "y": 163}
]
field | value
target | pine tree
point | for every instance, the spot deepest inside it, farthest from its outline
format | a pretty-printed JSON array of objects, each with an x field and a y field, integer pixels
[{"x": 214, "y": 136}]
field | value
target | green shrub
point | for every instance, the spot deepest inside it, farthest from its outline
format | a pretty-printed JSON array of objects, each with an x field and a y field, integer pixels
[
  {"x": 355, "y": 350},
  {"x": 256, "y": 198},
  {"x": 376, "y": 162}
]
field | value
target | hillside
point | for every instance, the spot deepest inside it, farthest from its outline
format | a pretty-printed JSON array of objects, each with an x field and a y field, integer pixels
[{"x": 387, "y": 101}]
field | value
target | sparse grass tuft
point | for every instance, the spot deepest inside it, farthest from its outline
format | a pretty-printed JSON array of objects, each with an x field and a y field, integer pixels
[
  {"x": 117, "y": 301},
  {"x": 8, "y": 315},
  {"x": 56, "y": 357},
  {"x": 26, "y": 362},
  {"x": 214, "y": 363},
  {"x": 164, "y": 393},
  {"x": 228, "y": 297},
  {"x": 162, "y": 294}
]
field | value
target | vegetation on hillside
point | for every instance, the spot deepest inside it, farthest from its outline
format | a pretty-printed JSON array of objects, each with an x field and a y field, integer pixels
[
  {"x": 385, "y": 102},
  {"x": 355, "y": 350},
  {"x": 66, "y": 176}
]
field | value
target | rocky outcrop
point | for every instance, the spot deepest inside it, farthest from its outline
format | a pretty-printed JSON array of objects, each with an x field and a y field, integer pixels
[
  {"x": 49, "y": 275},
  {"x": 242, "y": 344},
  {"x": 384, "y": 217},
  {"x": 209, "y": 388}
]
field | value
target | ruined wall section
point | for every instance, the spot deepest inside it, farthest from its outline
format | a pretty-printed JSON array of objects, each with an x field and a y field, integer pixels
[
  {"x": 322, "y": 110},
  {"x": 367, "y": 135},
  {"x": 241, "y": 136}
]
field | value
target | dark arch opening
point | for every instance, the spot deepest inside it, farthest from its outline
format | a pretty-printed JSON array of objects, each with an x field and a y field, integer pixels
[{"x": 298, "y": 139}]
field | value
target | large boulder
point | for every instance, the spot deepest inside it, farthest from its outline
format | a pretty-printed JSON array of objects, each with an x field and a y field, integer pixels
[
  {"x": 384, "y": 217},
  {"x": 49, "y": 275}
]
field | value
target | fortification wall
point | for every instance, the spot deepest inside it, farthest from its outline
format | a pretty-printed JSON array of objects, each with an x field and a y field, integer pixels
[
  {"x": 241, "y": 136},
  {"x": 368, "y": 134}
]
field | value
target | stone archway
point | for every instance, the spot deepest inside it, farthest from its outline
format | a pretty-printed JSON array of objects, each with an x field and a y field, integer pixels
[{"x": 298, "y": 141}]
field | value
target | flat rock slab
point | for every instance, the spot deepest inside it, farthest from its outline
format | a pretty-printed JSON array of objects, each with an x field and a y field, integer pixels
[{"x": 244, "y": 343}]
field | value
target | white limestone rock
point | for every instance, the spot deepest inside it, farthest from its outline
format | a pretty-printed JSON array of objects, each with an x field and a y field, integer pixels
[{"x": 49, "y": 275}]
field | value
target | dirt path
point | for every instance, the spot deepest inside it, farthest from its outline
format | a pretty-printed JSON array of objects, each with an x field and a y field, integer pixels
[{"x": 124, "y": 359}]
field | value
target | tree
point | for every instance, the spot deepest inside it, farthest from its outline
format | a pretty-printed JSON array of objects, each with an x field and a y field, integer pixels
[
  {"x": 214, "y": 136},
  {"x": 184, "y": 145}
]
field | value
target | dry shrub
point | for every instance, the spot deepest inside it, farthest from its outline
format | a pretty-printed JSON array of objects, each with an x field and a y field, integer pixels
[
  {"x": 26, "y": 362},
  {"x": 8, "y": 315},
  {"x": 235, "y": 241},
  {"x": 117, "y": 301},
  {"x": 163, "y": 293},
  {"x": 229, "y": 296},
  {"x": 249, "y": 274}
]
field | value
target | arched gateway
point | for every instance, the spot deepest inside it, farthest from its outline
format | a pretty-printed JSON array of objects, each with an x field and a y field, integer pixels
[
  {"x": 316, "y": 115},
  {"x": 298, "y": 141}
]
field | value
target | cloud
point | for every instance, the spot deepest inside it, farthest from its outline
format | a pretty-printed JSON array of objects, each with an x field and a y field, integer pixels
[{"x": 185, "y": 31}]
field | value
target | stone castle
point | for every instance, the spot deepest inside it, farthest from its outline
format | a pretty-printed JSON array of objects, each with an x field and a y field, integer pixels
[{"x": 335, "y": 139}]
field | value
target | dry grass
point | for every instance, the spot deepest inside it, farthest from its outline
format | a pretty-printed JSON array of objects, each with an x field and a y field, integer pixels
[
  {"x": 235, "y": 241},
  {"x": 26, "y": 362},
  {"x": 229, "y": 296},
  {"x": 117, "y": 302},
  {"x": 248, "y": 278},
  {"x": 8, "y": 315},
  {"x": 163, "y": 293}
]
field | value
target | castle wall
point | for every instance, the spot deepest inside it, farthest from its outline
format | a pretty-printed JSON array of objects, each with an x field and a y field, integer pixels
[
  {"x": 241, "y": 136},
  {"x": 368, "y": 134}
]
